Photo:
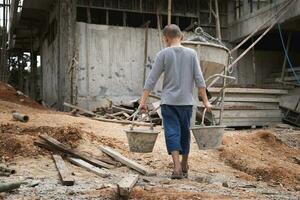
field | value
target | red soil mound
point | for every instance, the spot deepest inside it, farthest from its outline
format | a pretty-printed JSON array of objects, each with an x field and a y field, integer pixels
[
  {"x": 263, "y": 156},
  {"x": 8, "y": 93},
  {"x": 19, "y": 141}
]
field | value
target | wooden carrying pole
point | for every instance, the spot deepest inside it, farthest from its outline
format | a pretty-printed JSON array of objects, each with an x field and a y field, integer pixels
[{"x": 169, "y": 12}]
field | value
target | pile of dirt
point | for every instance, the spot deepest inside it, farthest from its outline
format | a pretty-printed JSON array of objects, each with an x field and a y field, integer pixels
[
  {"x": 262, "y": 156},
  {"x": 19, "y": 141},
  {"x": 8, "y": 93}
]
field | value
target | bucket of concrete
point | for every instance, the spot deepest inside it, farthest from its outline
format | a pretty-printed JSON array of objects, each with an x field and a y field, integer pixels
[
  {"x": 141, "y": 140},
  {"x": 208, "y": 137}
]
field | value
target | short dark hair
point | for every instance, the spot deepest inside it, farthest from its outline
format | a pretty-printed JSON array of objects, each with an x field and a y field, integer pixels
[{"x": 172, "y": 31}]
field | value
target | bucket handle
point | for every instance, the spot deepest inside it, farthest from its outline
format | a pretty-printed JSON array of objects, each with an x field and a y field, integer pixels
[
  {"x": 134, "y": 117},
  {"x": 203, "y": 116}
]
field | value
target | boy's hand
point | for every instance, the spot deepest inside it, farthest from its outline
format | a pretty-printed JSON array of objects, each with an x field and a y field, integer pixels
[
  {"x": 143, "y": 107},
  {"x": 208, "y": 106}
]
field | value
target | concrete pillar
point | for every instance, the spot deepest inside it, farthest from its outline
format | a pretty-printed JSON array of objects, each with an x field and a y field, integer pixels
[{"x": 33, "y": 75}]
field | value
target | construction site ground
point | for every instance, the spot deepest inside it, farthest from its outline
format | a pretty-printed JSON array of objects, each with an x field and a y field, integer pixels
[{"x": 250, "y": 164}]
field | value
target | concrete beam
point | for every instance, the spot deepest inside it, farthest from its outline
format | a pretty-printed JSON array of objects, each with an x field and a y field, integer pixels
[{"x": 239, "y": 29}]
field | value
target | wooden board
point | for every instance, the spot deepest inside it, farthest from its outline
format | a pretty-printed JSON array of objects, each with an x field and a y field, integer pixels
[
  {"x": 96, "y": 170},
  {"x": 126, "y": 184},
  {"x": 65, "y": 175},
  {"x": 237, "y": 122},
  {"x": 252, "y": 99},
  {"x": 79, "y": 108},
  {"x": 61, "y": 147},
  {"x": 247, "y": 106},
  {"x": 126, "y": 161},
  {"x": 249, "y": 113},
  {"x": 249, "y": 90},
  {"x": 250, "y": 106}
]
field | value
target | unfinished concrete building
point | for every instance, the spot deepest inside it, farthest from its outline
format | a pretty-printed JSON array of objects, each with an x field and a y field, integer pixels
[{"x": 94, "y": 50}]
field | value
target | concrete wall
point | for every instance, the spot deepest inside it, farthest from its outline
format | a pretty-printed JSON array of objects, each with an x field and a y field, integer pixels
[{"x": 111, "y": 62}]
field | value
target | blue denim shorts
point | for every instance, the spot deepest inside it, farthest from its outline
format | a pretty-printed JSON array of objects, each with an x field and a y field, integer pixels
[{"x": 176, "y": 122}]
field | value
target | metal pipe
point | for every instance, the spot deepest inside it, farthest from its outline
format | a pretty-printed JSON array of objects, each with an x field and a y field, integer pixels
[{"x": 20, "y": 117}]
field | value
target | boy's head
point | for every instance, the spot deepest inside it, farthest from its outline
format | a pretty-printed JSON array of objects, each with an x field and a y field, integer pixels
[{"x": 172, "y": 34}]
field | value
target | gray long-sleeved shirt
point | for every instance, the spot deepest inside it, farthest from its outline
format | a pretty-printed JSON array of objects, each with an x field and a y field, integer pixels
[{"x": 181, "y": 72}]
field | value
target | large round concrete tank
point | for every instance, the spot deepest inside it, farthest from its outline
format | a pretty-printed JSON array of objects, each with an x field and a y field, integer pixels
[{"x": 213, "y": 57}]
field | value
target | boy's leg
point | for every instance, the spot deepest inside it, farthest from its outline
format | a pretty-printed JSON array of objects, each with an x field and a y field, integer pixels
[
  {"x": 172, "y": 135},
  {"x": 185, "y": 118}
]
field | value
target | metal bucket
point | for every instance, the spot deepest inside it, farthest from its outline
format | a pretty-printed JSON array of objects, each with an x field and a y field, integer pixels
[
  {"x": 141, "y": 140},
  {"x": 208, "y": 137}
]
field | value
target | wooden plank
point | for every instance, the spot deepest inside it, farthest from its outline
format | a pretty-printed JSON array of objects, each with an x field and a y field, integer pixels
[
  {"x": 126, "y": 184},
  {"x": 96, "y": 170},
  {"x": 79, "y": 108},
  {"x": 126, "y": 161},
  {"x": 61, "y": 147},
  {"x": 252, "y": 121},
  {"x": 251, "y": 99},
  {"x": 250, "y": 106},
  {"x": 121, "y": 121},
  {"x": 65, "y": 175},
  {"x": 118, "y": 109},
  {"x": 246, "y": 106},
  {"x": 249, "y": 113},
  {"x": 249, "y": 90}
]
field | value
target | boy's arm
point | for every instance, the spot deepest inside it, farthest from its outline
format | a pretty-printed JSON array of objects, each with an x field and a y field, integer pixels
[
  {"x": 156, "y": 71},
  {"x": 200, "y": 83}
]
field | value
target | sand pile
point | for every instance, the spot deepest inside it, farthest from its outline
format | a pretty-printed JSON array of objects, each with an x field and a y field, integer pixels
[{"x": 262, "y": 156}]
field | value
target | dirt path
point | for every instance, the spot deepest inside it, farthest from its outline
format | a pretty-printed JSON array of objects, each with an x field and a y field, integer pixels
[{"x": 250, "y": 164}]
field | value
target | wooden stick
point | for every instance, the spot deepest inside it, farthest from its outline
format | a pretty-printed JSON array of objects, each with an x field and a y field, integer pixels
[
  {"x": 159, "y": 26},
  {"x": 61, "y": 147},
  {"x": 217, "y": 17},
  {"x": 126, "y": 184},
  {"x": 96, "y": 170},
  {"x": 118, "y": 109},
  {"x": 126, "y": 161},
  {"x": 79, "y": 108},
  {"x": 65, "y": 175},
  {"x": 145, "y": 52},
  {"x": 121, "y": 121},
  {"x": 169, "y": 12}
]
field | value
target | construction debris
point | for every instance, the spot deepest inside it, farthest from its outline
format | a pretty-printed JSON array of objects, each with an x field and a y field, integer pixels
[
  {"x": 65, "y": 174},
  {"x": 61, "y": 147},
  {"x": 126, "y": 161},
  {"x": 20, "y": 117},
  {"x": 96, "y": 170},
  {"x": 126, "y": 184},
  {"x": 118, "y": 114},
  {"x": 6, "y": 187},
  {"x": 7, "y": 170}
]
